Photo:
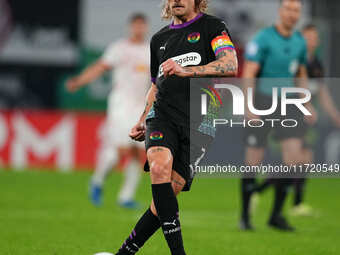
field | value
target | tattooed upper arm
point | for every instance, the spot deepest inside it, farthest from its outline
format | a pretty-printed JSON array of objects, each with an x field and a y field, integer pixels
[
  {"x": 226, "y": 62},
  {"x": 226, "y": 53}
]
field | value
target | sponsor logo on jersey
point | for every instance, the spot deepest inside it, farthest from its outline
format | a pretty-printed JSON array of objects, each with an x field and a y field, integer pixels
[
  {"x": 163, "y": 47},
  {"x": 194, "y": 37},
  {"x": 188, "y": 59},
  {"x": 156, "y": 135}
]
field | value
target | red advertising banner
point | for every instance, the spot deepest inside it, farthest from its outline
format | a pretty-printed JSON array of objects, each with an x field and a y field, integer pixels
[{"x": 50, "y": 139}]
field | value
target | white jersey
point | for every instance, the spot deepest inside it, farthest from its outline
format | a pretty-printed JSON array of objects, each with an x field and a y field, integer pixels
[{"x": 131, "y": 78}]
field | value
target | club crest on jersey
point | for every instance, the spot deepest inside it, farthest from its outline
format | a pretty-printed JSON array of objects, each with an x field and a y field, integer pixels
[
  {"x": 156, "y": 135},
  {"x": 194, "y": 37}
]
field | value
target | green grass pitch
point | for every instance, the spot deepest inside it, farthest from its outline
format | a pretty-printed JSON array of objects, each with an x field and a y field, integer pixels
[{"x": 46, "y": 213}]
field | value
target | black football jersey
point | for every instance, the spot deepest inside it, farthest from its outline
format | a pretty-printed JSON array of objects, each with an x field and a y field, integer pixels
[{"x": 188, "y": 44}]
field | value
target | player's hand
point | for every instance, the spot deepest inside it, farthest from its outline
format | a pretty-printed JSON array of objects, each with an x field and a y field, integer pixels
[
  {"x": 311, "y": 119},
  {"x": 73, "y": 85},
  {"x": 170, "y": 67},
  {"x": 137, "y": 133}
]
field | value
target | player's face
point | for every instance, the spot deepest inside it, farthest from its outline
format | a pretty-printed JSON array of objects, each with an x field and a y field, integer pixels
[
  {"x": 182, "y": 8},
  {"x": 312, "y": 39},
  {"x": 290, "y": 12},
  {"x": 139, "y": 28}
]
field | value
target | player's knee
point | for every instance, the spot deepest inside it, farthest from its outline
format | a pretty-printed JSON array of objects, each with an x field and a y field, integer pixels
[{"x": 160, "y": 172}]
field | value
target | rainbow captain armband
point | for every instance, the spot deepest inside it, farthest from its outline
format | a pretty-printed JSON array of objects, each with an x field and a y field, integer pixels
[{"x": 220, "y": 43}]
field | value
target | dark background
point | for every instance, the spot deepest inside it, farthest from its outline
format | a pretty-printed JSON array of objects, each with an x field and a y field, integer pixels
[{"x": 33, "y": 85}]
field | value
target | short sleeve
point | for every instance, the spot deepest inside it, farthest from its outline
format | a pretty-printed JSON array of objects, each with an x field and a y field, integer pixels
[
  {"x": 154, "y": 63},
  {"x": 112, "y": 55},
  {"x": 256, "y": 49},
  {"x": 219, "y": 36}
]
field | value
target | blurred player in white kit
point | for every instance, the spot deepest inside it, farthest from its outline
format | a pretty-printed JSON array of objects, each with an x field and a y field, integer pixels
[{"x": 129, "y": 59}]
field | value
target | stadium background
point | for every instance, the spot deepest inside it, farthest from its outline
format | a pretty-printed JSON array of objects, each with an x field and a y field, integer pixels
[{"x": 42, "y": 127}]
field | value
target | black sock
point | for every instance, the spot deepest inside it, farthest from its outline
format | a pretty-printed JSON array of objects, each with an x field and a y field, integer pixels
[
  {"x": 281, "y": 190},
  {"x": 144, "y": 229},
  {"x": 167, "y": 210},
  {"x": 247, "y": 186},
  {"x": 299, "y": 191}
]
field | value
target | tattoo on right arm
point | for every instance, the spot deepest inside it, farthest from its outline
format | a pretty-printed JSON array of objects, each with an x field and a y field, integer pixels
[{"x": 224, "y": 65}]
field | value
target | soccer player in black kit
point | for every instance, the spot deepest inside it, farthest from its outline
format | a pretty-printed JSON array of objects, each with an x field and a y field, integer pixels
[{"x": 193, "y": 45}]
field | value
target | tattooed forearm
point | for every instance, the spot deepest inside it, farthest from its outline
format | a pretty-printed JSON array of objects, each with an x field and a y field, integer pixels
[
  {"x": 219, "y": 68},
  {"x": 229, "y": 67},
  {"x": 225, "y": 65},
  {"x": 195, "y": 71}
]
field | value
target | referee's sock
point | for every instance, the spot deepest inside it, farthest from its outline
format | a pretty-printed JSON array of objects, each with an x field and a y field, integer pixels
[
  {"x": 247, "y": 186},
  {"x": 299, "y": 190},
  {"x": 144, "y": 229},
  {"x": 281, "y": 190},
  {"x": 167, "y": 210}
]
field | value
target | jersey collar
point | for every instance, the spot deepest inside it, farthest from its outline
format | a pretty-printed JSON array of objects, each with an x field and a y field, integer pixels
[
  {"x": 281, "y": 35},
  {"x": 185, "y": 24}
]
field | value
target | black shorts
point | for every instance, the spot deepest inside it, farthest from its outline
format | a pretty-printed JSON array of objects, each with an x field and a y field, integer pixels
[
  {"x": 176, "y": 138},
  {"x": 258, "y": 137}
]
